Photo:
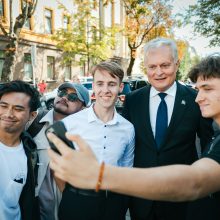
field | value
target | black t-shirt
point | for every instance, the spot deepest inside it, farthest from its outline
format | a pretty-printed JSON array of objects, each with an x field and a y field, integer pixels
[{"x": 214, "y": 150}]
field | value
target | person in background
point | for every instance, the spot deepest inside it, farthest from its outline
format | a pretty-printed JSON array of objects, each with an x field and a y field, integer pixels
[
  {"x": 19, "y": 102},
  {"x": 112, "y": 140},
  {"x": 71, "y": 98},
  {"x": 166, "y": 183},
  {"x": 42, "y": 87}
]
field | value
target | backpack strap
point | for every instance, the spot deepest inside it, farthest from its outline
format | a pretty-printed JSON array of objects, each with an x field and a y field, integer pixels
[{"x": 36, "y": 125}]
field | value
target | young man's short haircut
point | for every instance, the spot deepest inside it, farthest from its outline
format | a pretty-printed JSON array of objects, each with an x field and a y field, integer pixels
[
  {"x": 209, "y": 67},
  {"x": 114, "y": 69},
  {"x": 22, "y": 87}
]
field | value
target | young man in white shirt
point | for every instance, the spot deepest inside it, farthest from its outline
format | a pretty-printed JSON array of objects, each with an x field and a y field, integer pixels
[
  {"x": 112, "y": 140},
  {"x": 18, "y": 104}
]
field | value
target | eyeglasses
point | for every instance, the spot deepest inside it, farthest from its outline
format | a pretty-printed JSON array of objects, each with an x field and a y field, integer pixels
[{"x": 72, "y": 97}]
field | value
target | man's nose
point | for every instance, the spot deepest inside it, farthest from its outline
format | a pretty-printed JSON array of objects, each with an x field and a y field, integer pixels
[
  {"x": 199, "y": 97},
  {"x": 159, "y": 71},
  {"x": 9, "y": 112},
  {"x": 105, "y": 88}
]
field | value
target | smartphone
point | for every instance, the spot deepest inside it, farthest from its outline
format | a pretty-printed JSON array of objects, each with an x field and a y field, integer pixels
[{"x": 59, "y": 129}]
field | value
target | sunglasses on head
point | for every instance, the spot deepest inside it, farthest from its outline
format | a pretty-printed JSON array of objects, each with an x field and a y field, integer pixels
[{"x": 72, "y": 97}]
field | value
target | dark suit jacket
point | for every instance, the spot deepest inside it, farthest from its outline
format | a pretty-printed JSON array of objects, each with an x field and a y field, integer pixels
[{"x": 178, "y": 146}]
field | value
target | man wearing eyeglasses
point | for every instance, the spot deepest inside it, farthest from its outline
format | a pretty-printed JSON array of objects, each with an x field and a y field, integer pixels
[{"x": 71, "y": 98}]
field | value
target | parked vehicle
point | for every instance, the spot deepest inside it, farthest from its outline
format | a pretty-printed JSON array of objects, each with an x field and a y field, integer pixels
[
  {"x": 137, "y": 83},
  {"x": 88, "y": 85},
  {"x": 121, "y": 96},
  {"x": 48, "y": 98}
]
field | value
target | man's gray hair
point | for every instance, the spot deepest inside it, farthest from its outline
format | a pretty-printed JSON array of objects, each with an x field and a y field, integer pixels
[{"x": 160, "y": 41}]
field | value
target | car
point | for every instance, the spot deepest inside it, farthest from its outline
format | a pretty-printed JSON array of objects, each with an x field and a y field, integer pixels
[
  {"x": 48, "y": 98},
  {"x": 121, "y": 96},
  {"x": 88, "y": 85},
  {"x": 129, "y": 86},
  {"x": 137, "y": 83}
]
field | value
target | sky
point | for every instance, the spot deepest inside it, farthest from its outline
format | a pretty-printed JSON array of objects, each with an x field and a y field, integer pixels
[{"x": 200, "y": 43}]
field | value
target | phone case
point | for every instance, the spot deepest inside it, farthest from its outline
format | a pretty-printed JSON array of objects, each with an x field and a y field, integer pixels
[{"x": 58, "y": 128}]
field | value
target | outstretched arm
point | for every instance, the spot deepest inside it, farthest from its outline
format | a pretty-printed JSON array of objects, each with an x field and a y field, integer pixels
[{"x": 171, "y": 183}]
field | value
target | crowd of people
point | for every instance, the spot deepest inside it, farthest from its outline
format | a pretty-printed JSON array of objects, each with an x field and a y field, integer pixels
[{"x": 145, "y": 160}]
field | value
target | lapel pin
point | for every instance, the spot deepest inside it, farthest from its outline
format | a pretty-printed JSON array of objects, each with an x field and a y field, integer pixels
[{"x": 183, "y": 102}]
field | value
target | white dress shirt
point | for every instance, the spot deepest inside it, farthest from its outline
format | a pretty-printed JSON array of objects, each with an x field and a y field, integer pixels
[
  {"x": 155, "y": 101},
  {"x": 111, "y": 142}
]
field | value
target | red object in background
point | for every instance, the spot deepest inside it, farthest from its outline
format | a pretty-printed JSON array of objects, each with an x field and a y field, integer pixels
[
  {"x": 93, "y": 97},
  {"x": 42, "y": 86}
]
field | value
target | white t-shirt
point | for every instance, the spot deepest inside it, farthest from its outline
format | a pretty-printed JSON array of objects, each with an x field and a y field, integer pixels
[{"x": 13, "y": 174}]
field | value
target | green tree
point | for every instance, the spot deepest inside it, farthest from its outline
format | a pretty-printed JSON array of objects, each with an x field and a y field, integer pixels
[
  {"x": 187, "y": 62},
  {"x": 13, "y": 33},
  {"x": 206, "y": 19},
  {"x": 145, "y": 20},
  {"x": 85, "y": 41}
]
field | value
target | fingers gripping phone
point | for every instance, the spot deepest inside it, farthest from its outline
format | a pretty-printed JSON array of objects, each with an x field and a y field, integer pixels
[{"x": 59, "y": 129}]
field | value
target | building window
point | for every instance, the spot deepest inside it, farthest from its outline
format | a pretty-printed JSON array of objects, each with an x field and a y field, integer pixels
[
  {"x": 67, "y": 72},
  {"x": 27, "y": 23},
  {"x": 48, "y": 21},
  {"x": 50, "y": 68},
  {"x": 28, "y": 69},
  {"x": 2, "y": 11},
  {"x": 66, "y": 22},
  {"x": 2, "y": 60}
]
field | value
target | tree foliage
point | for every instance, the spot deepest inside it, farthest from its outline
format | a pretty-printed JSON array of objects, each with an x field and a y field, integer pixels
[
  {"x": 188, "y": 60},
  {"x": 207, "y": 22},
  {"x": 145, "y": 20},
  {"x": 13, "y": 33},
  {"x": 85, "y": 41}
]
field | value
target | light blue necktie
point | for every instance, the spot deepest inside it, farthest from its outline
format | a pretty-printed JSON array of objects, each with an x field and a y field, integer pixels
[{"x": 161, "y": 121}]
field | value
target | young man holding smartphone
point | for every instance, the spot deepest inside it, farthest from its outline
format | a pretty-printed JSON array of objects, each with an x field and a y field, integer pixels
[
  {"x": 165, "y": 183},
  {"x": 104, "y": 129}
]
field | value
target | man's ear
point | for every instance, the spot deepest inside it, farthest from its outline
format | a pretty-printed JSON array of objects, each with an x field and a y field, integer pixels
[
  {"x": 121, "y": 87},
  {"x": 33, "y": 115}
]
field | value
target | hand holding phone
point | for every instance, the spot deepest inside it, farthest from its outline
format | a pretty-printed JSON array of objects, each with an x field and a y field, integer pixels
[{"x": 59, "y": 129}]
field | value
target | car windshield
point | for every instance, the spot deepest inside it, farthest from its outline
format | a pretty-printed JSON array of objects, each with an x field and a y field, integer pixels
[
  {"x": 88, "y": 85},
  {"x": 126, "y": 88}
]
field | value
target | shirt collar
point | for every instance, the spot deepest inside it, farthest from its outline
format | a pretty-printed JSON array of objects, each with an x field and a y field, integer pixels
[
  {"x": 93, "y": 117},
  {"x": 171, "y": 91},
  {"x": 48, "y": 117}
]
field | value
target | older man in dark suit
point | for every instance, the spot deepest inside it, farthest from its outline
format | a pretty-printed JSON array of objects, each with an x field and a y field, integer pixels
[{"x": 167, "y": 121}]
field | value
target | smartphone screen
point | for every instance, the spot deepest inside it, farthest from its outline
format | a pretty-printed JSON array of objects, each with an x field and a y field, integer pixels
[{"x": 59, "y": 129}]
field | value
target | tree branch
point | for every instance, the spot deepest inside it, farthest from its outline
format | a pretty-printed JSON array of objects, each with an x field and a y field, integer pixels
[{"x": 3, "y": 29}]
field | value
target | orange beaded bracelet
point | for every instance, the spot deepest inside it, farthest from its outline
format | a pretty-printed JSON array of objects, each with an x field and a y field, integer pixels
[{"x": 101, "y": 172}]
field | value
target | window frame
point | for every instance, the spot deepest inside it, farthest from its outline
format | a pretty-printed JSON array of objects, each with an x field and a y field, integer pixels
[
  {"x": 29, "y": 78},
  {"x": 52, "y": 78},
  {"x": 51, "y": 21}
]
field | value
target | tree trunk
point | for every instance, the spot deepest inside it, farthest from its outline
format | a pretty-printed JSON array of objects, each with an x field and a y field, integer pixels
[
  {"x": 132, "y": 60},
  {"x": 9, "y": 64}
]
